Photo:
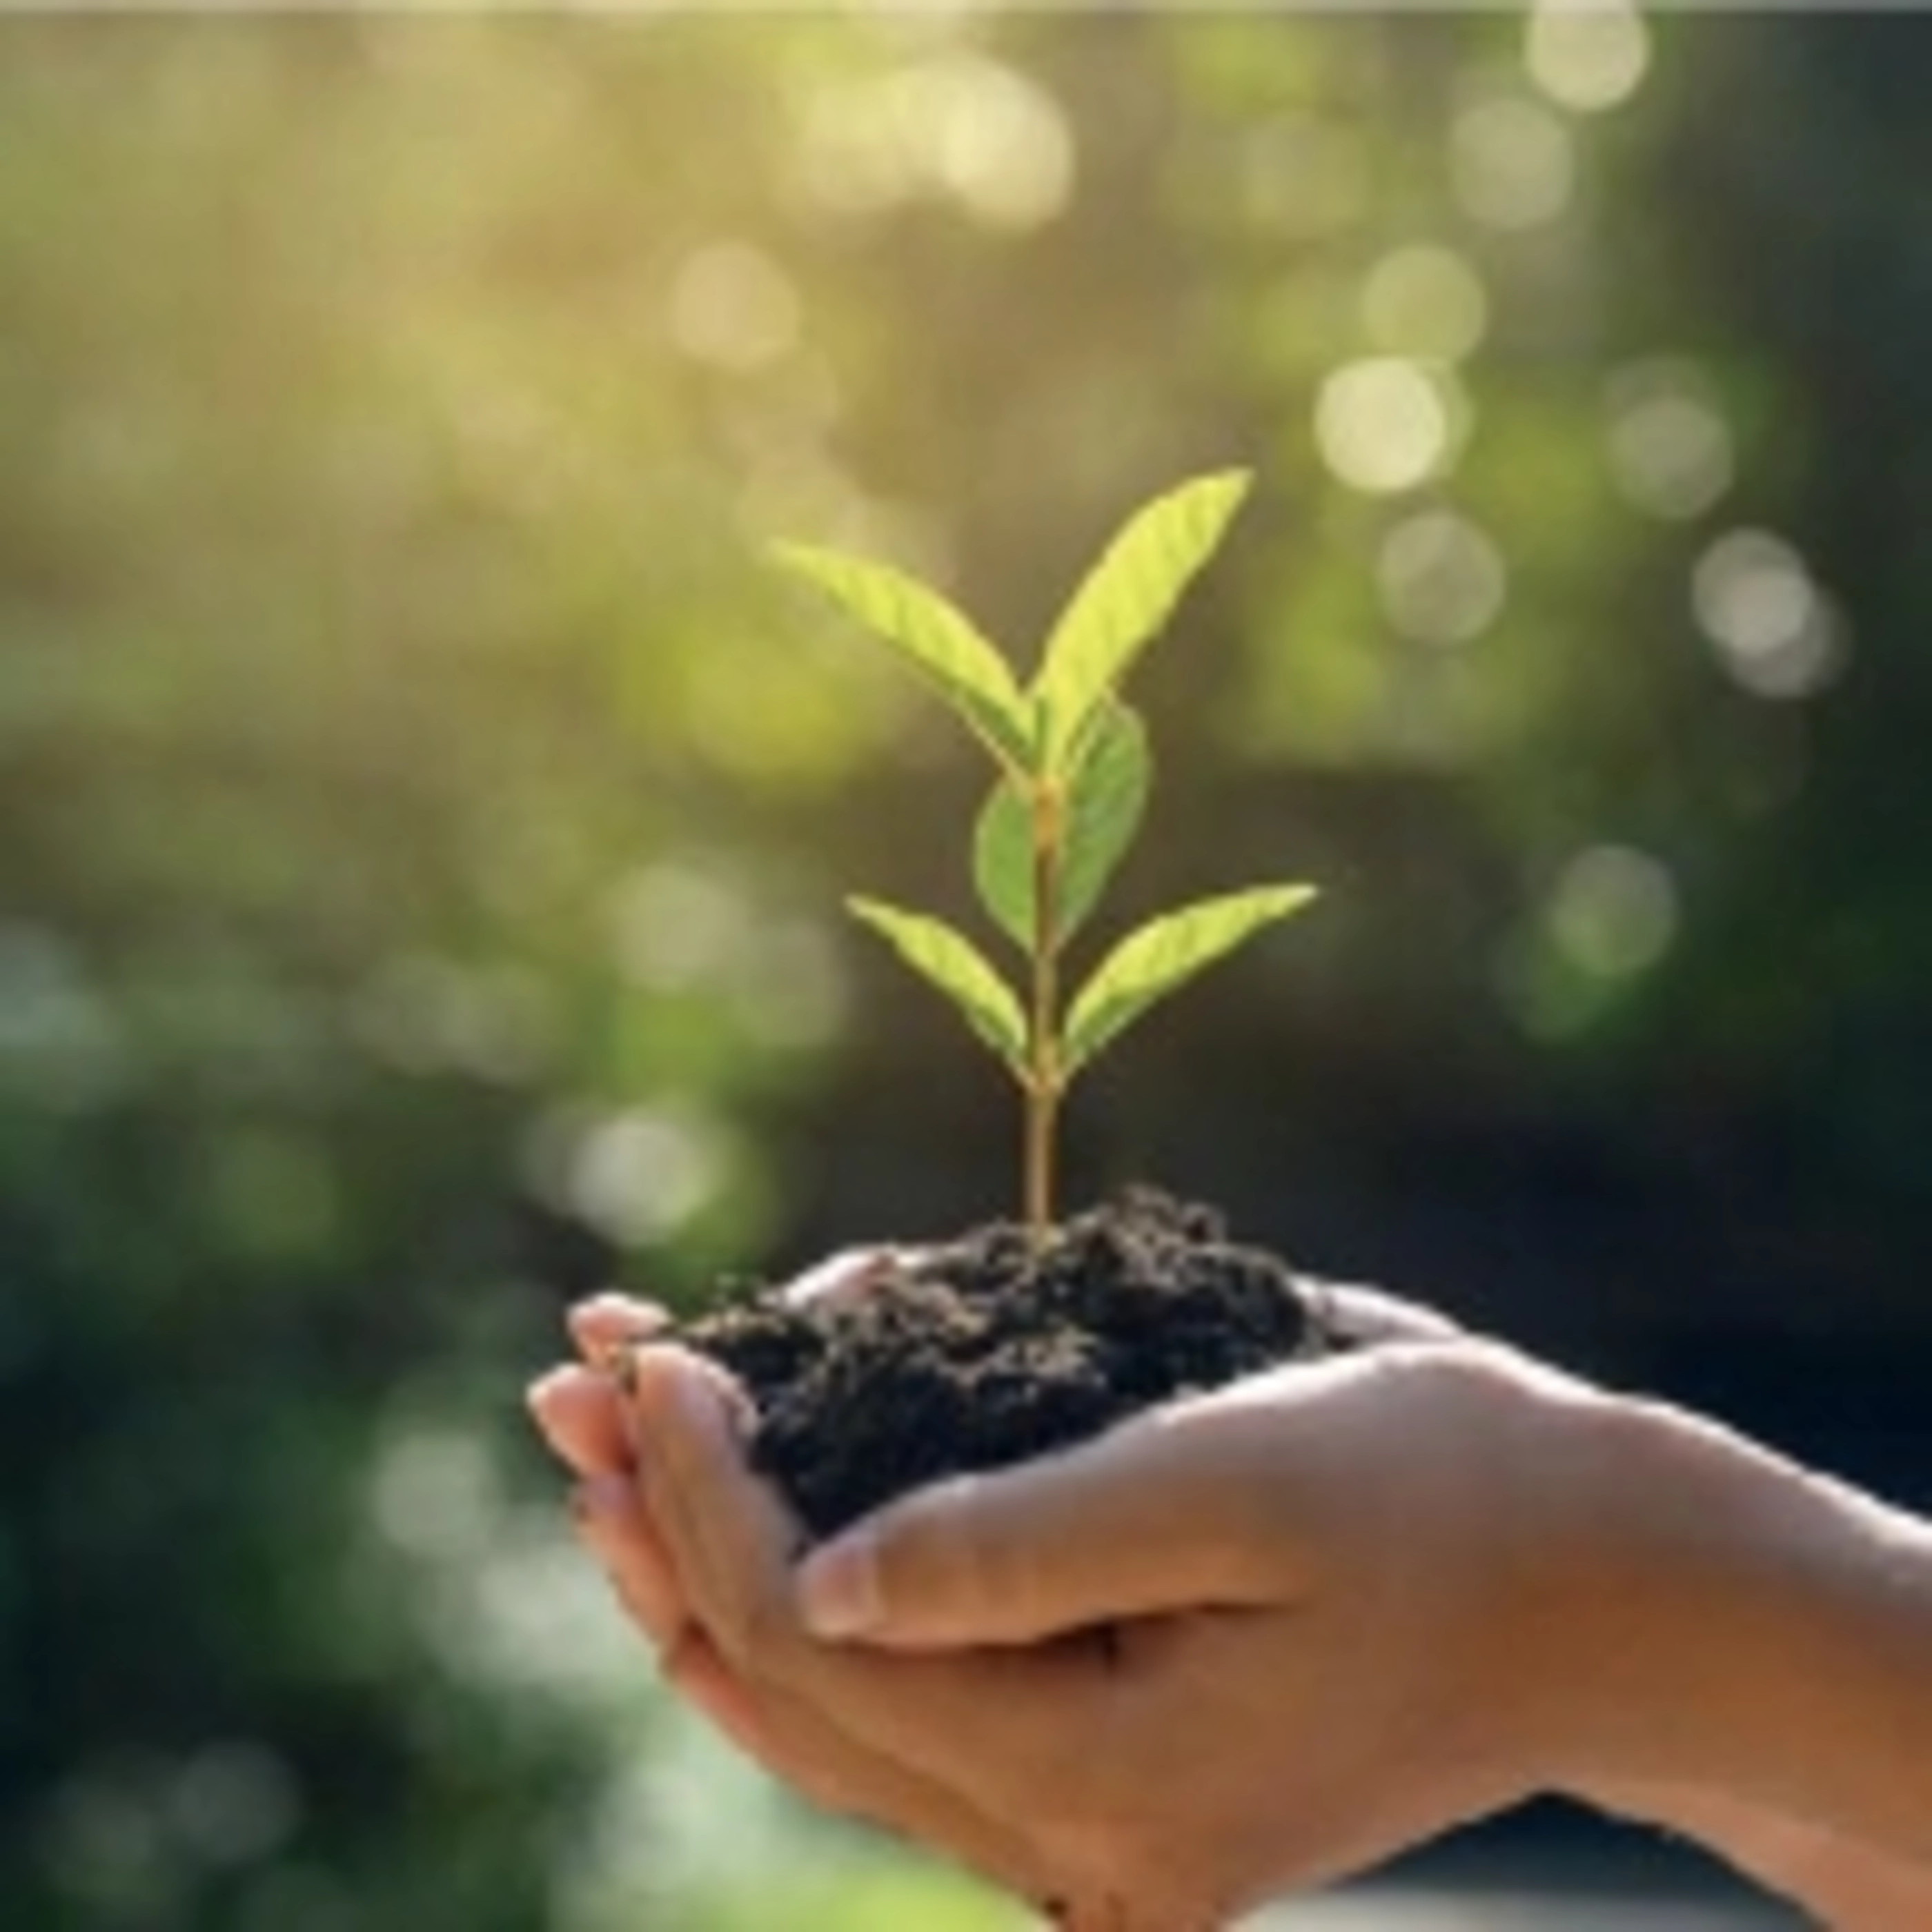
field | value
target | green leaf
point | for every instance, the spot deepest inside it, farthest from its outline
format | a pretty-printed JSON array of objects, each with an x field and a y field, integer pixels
[
  {"x": 958, "y": 968},
  {"x": 1002, "y": 860},
  {"x": 1105, "y": 797},
  {"x": 1109, "y": 795},
  {"x": 938, "y": 639},
  {"x": 1125, "y": 599},
  {"x": 1149, "y": 964}
]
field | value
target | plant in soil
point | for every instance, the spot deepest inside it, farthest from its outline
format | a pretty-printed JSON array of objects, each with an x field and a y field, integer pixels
[{"x": 1017, "y": 1338}]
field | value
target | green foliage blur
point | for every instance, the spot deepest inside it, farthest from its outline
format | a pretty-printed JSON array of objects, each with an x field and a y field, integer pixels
[{"x": 425, "y": 817}]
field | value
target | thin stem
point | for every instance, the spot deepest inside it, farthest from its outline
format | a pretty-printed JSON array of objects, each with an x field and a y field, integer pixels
[
  {"x": 1043, "y": 1084},
  {"x": 1042, "y": 1107}
]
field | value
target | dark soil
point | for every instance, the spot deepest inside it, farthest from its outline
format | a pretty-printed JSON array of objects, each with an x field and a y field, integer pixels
[{"x": 983, "y": 1352}]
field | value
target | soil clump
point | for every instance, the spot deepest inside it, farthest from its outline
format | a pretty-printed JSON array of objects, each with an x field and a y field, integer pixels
[{"x": 985, "y": 1351}]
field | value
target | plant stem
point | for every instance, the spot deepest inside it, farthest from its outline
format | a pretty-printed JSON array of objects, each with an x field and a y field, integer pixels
[
  {"x": 1042, "y": 1104},
  {"x": 1043, "y": 1084}
]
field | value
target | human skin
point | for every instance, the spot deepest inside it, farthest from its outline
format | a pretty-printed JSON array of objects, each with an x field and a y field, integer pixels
[{"x": 1359, "y": 1602}]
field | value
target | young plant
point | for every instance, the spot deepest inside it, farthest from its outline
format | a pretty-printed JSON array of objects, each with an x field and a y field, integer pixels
[{"x": 1073, "y": 771}]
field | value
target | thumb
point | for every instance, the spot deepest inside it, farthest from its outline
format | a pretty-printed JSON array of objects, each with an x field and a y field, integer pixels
[{"x": 1147, "y": 1518}]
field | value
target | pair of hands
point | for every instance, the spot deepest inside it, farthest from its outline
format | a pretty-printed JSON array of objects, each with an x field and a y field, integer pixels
[
  {"x": 1245, "y": 1644},
  {"x": 1233, "y": 1687}
]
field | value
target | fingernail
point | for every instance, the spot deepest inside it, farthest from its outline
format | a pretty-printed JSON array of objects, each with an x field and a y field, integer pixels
[
  {"x": 839, "y": 1588},
  {"x": 544, "y": 1390},
  {"x": 640, "y": 1319}
]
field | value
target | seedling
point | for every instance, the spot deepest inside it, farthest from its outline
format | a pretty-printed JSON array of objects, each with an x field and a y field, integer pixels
[{"x": 1072, "y": 774}]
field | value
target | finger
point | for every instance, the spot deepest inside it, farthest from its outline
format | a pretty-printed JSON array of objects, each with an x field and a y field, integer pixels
[
  {"x": 730, "y": 1541},
  {"x": 581, "y": 1415},
  {"x": 1181, "y": 1508},
  {"x": 612, "y": 1521},
  {"x": 1355, "y": 1313},
  {"x": 728, "y": 1536},
  {"x": 774, "y": 1727},
  {"x": 611, "y": 1518},
  {"x": 610, "y": 1321},
  {"x": 786, "y": 1729}
]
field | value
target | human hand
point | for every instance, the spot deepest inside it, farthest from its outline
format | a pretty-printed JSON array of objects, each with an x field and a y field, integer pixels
[
  {"x": 753, "y": 1670},
  {"x": 577, "y": 1410},
  {"x": 580, "y": 1410},
  {"x": 1070, "y": 1725},
  {"x": 1647, "y": 1554}
]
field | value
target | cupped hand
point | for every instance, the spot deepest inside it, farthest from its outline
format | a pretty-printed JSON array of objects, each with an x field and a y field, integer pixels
[
  {"x": 1243, "y": 1644},
  {"x": 1262, "y": 1637},
  {"x": 582, "y": 1412}
]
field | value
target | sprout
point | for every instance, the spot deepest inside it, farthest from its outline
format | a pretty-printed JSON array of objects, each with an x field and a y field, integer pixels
[{"x": 1073, "y": 771}]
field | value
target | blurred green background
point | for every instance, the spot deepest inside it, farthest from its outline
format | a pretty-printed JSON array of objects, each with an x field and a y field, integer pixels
[{"x": 425, "y": 817}]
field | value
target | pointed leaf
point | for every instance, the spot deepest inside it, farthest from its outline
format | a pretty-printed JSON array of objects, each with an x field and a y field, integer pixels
[
  {"x": 938, "y": 639},
  {"x": 1002, "y": 860},
  {"x": 1109, "y": 796},
  {"x": 1125, "y": 600},
  {"x": 958, "y": 968},
  {"x": 1149, "y": 964},
  {"x": 1105, "y": 797}
]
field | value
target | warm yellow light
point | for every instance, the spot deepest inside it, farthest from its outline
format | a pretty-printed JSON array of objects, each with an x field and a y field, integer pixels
[
  {"x": 1382, "y": 424},
  {"x": 1512, "y": 162},
  {"x": 732, "y": 306},
  {"x": 1425, "y": 301},
  {"x": 1588, "y": 56}
]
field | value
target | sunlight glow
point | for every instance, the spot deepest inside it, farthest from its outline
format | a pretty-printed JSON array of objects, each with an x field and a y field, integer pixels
[
  {"x": 957, "y": 125},
  {"x": 1302, "y": 175},
  {"x": 500, "y": 1587},
  {"x": 681, "y": 929},
  {"x": 1671, "y": 453},
  {"x": 851, "y": 160},
  {"x": 995, "y": 139},
  {"x": 640, "y": 1175},
  {"x": 791, "y": 989},
  {"x": 529, "y": 1612},
  {"x": 732, "y": 306},
  {"x": 1425, "y": 301},
  {"x": 1512, "y": 164},
  {"x": 677, "y": 926},
  {"x": 1442, "y": 580},
  {"x": 434, "y": 1494},
  {"x": 1588, "y": 56},
  {"x": 422, "y": 1013},
  {"x": 1613, "y": 911},
  {"x": 1774, "y": 631},
  {"x": 1383, "y": 425}
]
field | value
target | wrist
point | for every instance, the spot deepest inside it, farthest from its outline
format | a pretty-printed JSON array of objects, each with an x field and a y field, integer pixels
[
  {"x": 1727, "y": 1620},
  {"x": 1840, "y": 1881}
]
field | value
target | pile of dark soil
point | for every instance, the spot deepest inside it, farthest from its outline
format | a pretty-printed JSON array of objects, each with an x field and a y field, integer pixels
[{"x": 985, "y": 1351}]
